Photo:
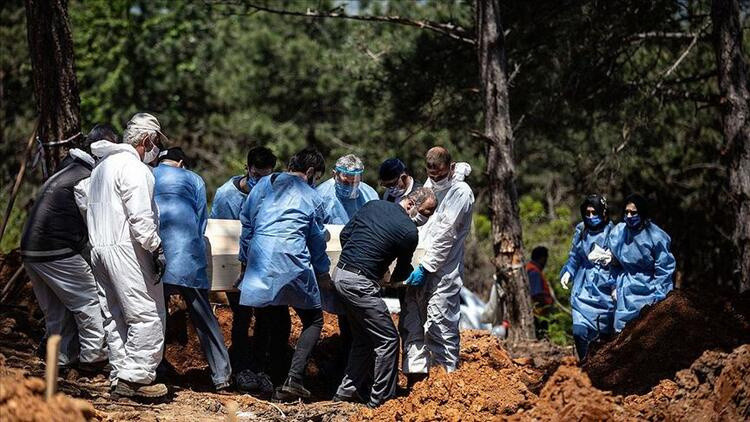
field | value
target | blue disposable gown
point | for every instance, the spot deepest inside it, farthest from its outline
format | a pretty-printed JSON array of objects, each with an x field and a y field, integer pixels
[
  {"x": 283, "y": 243},
  {"x": 340, "y": 211},
  {"x": 647, "y": 266},
  {"x": 591, "y": 297},
  {"x": 228, "y": 201},
  {"x": 180, "y": 196}
]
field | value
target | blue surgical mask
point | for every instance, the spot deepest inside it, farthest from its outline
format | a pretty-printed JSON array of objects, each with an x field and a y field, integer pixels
[
  {"x": 345, "y": 191},
  {"x": 593, "y": 221},
  {"x": 633, "y": 221},
  {"x": 251, "y": 182}
]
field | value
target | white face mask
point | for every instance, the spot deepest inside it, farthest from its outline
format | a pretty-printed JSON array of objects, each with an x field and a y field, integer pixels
[
  {"x": 419, "y": 219},
  {"x": 151, "y": 154},
  {"x": 395, "y": 192},
  {"x": 443, "y": 184}
]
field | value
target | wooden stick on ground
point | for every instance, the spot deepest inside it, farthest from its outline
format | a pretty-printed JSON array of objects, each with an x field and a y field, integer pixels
[
  {"x": 232, "y": 408},
  {"x": 53, "y": 348}
]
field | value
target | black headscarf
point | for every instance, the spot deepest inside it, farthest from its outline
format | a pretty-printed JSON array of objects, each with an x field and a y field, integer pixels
[
  {"x": 641, "y": 204},
  {"x": 599, "y": 203}
]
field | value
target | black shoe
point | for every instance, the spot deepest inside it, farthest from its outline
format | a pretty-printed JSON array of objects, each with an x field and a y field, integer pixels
[{"x": 291, "y": 390}]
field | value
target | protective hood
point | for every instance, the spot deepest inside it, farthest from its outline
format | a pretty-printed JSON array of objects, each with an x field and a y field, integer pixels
[
  {"x": 461, "y": 171},
  {"x": 599, "y": 203},
  {"x": 82, "y": 155},
  {"x": 103, "y": 149}
]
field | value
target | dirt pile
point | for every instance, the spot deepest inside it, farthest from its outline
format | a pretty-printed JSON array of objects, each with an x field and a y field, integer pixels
[
  {"x": 22, "y": 399},
  {"x": 488, "y": 385},
  {"x": 668, "y": 337},
  {"x": 715, "y": 387}
]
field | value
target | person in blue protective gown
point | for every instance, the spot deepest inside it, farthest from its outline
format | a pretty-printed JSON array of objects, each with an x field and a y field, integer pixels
[
  {"x": 591, "y": 298},
  {"x": 283, "y": 256},
  {"x": 180, "y": 195},
  {"x": 646, "y": 265},
  {"x": 345, "y": 193},
  {"x": 226, "y": 205}
]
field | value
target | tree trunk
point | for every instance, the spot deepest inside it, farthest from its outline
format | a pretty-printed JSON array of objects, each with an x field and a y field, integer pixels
[
  {"x": 506, "y": 224},
  {"x": 55, "y": 84},
  {"x": 735, "y": 113}
]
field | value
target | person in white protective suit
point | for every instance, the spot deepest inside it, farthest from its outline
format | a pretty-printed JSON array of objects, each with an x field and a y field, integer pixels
[
  {"x": 430, "y": 311},
  {"x": 54, "y": 247},
  {"x": 127, "y": 256}
]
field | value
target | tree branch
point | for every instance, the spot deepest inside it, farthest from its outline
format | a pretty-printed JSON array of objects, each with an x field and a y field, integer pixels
[{"x": 448, "y": 29}]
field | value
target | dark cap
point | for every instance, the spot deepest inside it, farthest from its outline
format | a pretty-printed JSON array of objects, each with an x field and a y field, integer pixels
[
  {"x": 174, "y": 154},
  {"x": 391, "y": 169}
]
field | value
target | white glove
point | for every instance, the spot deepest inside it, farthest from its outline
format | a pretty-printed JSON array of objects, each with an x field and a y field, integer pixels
[
  {"x": 614, "y": 295},
  {"x": 564, "y": 280},
  {"x": 600, "y": 256}
]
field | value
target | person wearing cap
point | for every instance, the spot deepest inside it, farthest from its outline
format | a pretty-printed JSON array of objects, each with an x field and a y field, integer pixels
[
  {"x": 127, "y": 256},
  {"x": 54, "y": 248},
  {"x": 393, "y": 176},
  {"x": 180, "y": 195},
  {"x": 591, "y": 300},
  {"x": 226, "y": 205},
  {"x": 641, "y": 255}
]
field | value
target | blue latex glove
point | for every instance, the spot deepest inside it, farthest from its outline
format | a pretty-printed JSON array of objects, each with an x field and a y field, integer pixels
[{"x": 416, "y": 278}]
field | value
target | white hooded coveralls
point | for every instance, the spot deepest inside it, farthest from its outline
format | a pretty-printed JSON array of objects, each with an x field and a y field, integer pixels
[
  {"x": 123, "y": 230},
  {"x": 430, "y": 313}
]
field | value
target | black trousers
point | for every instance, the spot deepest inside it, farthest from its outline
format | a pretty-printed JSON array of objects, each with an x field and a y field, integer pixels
[
  {"x": 239, "y": 352},
  {"x": 274, "y": 326}
]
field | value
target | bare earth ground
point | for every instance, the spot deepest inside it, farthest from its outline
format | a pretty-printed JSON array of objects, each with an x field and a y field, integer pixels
[{"x": 706, "y": 376}]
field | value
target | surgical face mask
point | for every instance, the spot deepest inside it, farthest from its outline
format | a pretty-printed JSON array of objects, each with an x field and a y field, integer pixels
[
  {"x": 593, "y": 221},
  {"x": 419, "y": 219},
  {"x": 443, "y": 184},
  {"x": 395, "y": 192},
  {"x": 151, "y": 154},
  {"x": 251, "y": 182},
  {"x": 633, "y": 221}
]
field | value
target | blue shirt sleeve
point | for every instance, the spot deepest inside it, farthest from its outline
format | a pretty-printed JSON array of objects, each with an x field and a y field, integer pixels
[
  {"x": 664, "y": 264},
  {"x": 571, "y": 266},
  {"x": 247, "y": 217},
  {"x": 316, "y": 243},
  {"x": 202, "y": 211}
]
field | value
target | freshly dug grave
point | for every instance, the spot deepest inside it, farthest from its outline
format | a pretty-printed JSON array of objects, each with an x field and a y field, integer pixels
[
  {"x": 667, "y": 337},
  {"x": 22, "y": 399},
  {"x": 488, "y": 385},
  {"x": 188, "y": 366}
]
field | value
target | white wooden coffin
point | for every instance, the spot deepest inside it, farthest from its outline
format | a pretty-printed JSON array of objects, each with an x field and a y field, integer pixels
[{"x": 222, "y": 247}]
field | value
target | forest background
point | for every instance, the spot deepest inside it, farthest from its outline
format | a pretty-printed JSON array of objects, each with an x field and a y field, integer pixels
[{"x": 608, "y": 97}]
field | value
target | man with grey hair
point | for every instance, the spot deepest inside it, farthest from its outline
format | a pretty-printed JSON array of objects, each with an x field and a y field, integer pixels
[
  {"x": 345, "y": 193},
  {"x": 127, "y": 256},
  {"x": 379, "y": 233}
]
